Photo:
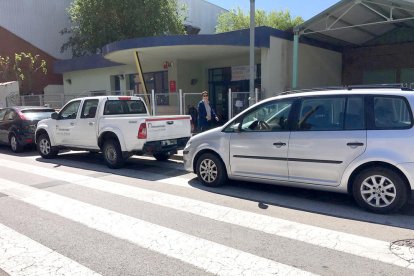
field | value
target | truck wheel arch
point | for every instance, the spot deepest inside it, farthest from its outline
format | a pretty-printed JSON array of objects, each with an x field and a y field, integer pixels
[{"x": 105, "y": 136}]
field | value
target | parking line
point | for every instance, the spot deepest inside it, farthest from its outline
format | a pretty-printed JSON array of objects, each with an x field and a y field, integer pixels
[
  {"x": 20, "y": 255},
  {"x": 210, "y": 256},
  {"x": 335, "y": 240}
]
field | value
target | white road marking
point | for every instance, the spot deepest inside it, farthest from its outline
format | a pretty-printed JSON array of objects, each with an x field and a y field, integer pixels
[
  {"x": 20, "y": 255},
  {"x": 207, "y": 255},
  {"x": 335, "y": 240}
]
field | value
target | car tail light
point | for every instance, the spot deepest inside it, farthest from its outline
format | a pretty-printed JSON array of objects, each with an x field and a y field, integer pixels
[
  {"x": 142, "y": 132},
  {"x": 21, "y": 115},
  {"x": 124, "y": 98}
]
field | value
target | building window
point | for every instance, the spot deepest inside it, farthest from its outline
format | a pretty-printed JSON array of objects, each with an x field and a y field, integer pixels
[{"x": 157, "y": 81}]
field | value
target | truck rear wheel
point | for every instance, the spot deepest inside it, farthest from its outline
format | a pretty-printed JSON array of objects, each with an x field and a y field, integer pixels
[
  {"x": 162, "y": 156},
  {"x": 113, "y": 154}
]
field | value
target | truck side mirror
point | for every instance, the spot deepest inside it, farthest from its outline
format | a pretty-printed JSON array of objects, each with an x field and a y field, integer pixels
[{"x": 54, "y": 116}]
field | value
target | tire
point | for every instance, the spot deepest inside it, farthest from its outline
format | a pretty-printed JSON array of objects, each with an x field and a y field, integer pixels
[
  {"x": 211, "y": 171},
  {"x": 112, "y": 154},
  {"x": 162, "y": 156},
  {"x": 15, "y": 146},
  {"x": 380, "y": 190},
  {"x": 44, "y": 147}
]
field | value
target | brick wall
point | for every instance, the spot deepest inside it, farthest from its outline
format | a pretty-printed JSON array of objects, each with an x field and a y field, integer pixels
[
  {"x": 11, "y": 44},
  {"x": 394, "y": 56}
]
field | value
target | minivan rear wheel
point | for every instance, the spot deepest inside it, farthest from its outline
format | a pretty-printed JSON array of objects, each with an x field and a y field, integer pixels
[
  {"x": 211, "y": 170},
  {"x": 380, "y": 190}
]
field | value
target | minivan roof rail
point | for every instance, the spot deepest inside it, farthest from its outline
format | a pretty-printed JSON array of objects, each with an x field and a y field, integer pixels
[{"x": 403, "y": 87}]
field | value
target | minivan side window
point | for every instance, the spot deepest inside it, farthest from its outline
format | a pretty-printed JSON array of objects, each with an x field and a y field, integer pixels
[
  {"x": 355, "y": 113},
  {"x": 321, "y": 114},
  {"x": 269, "y": 117},
  {"x": 391, "y": 113}
]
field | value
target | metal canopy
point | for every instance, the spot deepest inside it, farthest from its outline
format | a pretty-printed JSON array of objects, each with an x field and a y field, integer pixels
[{"x": 358, "y": 22}]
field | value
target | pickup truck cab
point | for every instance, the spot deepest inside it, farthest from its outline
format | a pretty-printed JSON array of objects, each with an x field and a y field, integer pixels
[{"x": 117, "y": 126}]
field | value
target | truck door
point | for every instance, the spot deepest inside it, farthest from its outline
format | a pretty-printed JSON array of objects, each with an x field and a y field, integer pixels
[
  {"x": 84, "y": 131},
  {"x": 66, "y": 122}
]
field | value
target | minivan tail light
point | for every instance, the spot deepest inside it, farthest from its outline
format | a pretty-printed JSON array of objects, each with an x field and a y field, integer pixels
[{"x": 142, "y": 132}]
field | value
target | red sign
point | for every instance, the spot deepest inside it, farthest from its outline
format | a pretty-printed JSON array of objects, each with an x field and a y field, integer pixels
[{"x": 173, "y": 86}]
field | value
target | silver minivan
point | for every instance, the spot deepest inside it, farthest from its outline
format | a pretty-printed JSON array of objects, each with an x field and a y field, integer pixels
[{"x": 356, "y": 141}]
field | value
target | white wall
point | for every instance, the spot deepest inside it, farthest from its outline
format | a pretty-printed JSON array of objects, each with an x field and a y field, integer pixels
[
  {"x": 38, "y": 22},
  {"x": 276, "y": 67},
  {"x": 202, "y": 14},
  {"x": 319, "y": 67},
  {"x": 6, "y": 89}
]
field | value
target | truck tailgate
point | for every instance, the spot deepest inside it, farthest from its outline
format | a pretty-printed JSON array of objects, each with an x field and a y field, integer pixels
[{"x": 168, "y": 127}]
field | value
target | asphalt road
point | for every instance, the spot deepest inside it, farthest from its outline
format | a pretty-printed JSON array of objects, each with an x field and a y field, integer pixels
[{"x": 74, "y": 216}]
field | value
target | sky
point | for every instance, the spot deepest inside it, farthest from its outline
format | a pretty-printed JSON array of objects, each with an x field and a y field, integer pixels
[{"x": 304, "y": 8}]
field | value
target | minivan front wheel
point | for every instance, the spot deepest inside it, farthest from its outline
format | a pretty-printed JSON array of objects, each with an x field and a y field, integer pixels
[
  {"x": 211, "y": 170},
  {"x": 380, "y": 190}
]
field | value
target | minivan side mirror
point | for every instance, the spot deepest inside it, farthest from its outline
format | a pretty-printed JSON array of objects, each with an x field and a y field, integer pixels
[{"x": 54, "y": 116}]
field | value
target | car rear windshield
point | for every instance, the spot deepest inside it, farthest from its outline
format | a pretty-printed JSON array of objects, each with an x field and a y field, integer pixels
[
  {"x": 118, "y": 107},
  {"x": 37, "y": 114}
]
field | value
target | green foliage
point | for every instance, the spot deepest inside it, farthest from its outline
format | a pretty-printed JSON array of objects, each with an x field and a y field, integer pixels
[
  {"x": 96, "y": 23},
  {"x": 237, "y": 19},
  {"x": 5, "y": 68},
  {"x": 23, "y": 67}
]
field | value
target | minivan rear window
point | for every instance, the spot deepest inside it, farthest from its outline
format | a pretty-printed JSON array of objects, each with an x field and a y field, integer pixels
[{"x": 392, "y": 113}]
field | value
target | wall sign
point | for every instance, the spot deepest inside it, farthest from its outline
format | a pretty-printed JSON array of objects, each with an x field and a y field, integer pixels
[
  {"x": 173, "y": 86},
  {"x": 239, "y": 73}
]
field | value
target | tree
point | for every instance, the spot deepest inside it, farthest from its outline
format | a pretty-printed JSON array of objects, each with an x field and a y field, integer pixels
[
  {"x": 6, "y": 68},
  {"x": 237, "y": 19},
  {"x": 96, "y": 23},
  {"x": 26, "y": 65},
  {"x": 22, "y": 68}
]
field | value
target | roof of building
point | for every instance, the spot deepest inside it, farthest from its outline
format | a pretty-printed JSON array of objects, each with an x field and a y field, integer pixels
[
  {"x": 354, "y": 23},
  {"x": 236, "y": 39}
]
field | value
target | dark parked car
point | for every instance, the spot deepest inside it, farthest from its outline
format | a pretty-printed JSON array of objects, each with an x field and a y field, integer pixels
[{"x": 18, "y": 125}]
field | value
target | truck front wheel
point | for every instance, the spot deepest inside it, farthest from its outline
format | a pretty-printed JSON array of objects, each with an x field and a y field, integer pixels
[
  {"x": 113, "y": 154},
  {"x": 44, "y": 147}
]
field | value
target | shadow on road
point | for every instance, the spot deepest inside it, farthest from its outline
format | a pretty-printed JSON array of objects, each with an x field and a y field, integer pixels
[
  {"x": 326, "y": 203},
  {"x": 145, "y": 169},
  {"x": 320, "y": 202}
]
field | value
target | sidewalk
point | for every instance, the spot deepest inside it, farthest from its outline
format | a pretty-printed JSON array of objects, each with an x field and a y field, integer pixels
[{"x": 178, "y": 156}]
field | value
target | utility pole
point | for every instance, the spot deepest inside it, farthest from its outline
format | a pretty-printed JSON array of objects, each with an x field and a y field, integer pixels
[{"x": 252, "y": 44}]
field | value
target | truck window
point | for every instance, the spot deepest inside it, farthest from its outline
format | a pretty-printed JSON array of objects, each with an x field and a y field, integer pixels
[
  {"x": 69, "y": 111},
  {"x": 117, "y": 107},
  {"x": 89, "y": 109}
]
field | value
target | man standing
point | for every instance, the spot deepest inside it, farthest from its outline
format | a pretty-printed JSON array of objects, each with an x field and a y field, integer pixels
[{"x": 205, "y": 113}]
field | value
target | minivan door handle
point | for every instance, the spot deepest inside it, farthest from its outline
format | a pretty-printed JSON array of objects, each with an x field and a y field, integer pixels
[
  {"x": 355, "y": 144},
  {"x": 279, "y": 144}
]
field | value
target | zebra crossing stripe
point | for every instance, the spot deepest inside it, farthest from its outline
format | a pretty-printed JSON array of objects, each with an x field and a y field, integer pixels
[
  {"x": 20, "y": 255},
  {"x": 334, "y": 240},
  {"x": 207, "y": 255}
]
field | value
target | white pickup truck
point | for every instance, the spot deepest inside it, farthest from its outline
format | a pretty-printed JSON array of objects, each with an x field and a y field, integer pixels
[{"x": 118, "y": 126}]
